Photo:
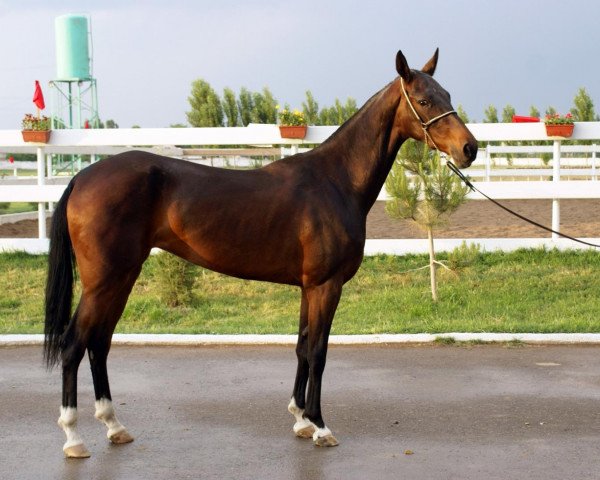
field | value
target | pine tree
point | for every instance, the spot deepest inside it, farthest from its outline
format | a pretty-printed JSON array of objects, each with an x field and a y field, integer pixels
[{"x": 426, "y": 191}]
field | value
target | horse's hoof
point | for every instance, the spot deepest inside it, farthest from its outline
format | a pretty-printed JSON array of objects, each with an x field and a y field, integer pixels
[
  {"x": 120, "y": 437},
  {"x": 77, "y": 451},
  {"x": 326, "y": 441},
  {"x": 305, "y": 432}
]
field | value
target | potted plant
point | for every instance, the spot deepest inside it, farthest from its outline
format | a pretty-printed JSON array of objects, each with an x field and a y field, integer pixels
[
  {"x": 292, "y": 124},
  {"x": 559, "y": 126},
  {"x": 36, "y": 129}
]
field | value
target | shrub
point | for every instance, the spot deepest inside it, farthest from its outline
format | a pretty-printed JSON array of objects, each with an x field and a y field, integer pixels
[
  {"x": 175, "y": 277},
  {"x": 464, "y": 255}
]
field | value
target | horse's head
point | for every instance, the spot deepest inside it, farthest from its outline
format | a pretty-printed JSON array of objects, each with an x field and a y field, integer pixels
[{"x": 426, "y": 113}]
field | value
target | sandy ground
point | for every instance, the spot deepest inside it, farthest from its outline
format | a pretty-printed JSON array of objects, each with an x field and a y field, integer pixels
[{"x": 475, "y": 219}]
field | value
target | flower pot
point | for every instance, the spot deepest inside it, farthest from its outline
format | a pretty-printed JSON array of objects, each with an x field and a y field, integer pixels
[
  {"x": 296, "y": 131},
  {"x": 37, "y": 136},
  {"x": 559, "y": 130}
]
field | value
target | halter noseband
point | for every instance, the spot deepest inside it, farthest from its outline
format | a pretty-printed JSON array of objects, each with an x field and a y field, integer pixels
[{"x": 424, "y": 125}]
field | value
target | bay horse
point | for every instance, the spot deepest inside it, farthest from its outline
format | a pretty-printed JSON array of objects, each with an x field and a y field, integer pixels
[{"x": 299, "y": 221}]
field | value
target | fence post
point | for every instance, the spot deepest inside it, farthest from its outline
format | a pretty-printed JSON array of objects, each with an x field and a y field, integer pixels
[
  {"x": 556, "y": 178},
  {"x": 594, "y": 177},
  {"x": 488, "y": 163},
  {"x": 41, "y": 180}
]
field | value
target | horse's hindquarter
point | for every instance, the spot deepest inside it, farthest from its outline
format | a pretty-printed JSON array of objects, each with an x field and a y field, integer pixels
[{"x": 277, "y": 224}]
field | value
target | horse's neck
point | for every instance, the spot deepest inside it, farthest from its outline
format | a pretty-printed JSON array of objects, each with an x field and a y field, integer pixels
[{"x": 362, "y": 152}]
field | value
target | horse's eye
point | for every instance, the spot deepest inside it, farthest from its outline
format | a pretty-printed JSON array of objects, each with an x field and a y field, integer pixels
[{"x": 423, "y": 103}]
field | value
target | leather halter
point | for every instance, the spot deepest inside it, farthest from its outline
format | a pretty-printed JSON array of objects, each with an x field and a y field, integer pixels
[{"x": 424, "y": 125}]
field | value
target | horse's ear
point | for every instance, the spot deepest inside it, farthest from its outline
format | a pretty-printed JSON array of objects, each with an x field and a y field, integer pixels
[
  {"x": 402, "y": 67},
  {"x": 429, "y": 67}
]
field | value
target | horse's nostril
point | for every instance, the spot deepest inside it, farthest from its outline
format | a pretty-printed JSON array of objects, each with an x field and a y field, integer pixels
[{"x": 469, "y": 151}]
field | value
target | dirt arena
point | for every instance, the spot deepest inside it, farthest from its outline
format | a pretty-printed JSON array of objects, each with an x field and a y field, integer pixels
[{"x": 475, "y": 219}]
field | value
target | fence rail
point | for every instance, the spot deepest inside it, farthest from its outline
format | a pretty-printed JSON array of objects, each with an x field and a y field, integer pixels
[{"x": 176, "y": 141}]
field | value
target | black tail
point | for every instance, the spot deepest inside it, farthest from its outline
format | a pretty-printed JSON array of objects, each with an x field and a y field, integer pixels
[{"x": 59, "y": 285}]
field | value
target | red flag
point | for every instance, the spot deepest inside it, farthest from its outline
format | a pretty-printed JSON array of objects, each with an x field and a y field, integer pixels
[{"x": 38, "y": 96}]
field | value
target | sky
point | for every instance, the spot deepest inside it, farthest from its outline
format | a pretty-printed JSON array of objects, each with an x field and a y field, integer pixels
[{"x": 146, "y": 53}]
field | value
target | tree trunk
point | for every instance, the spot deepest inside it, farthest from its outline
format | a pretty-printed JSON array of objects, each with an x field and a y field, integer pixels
[{"x": 432, "y": 266}]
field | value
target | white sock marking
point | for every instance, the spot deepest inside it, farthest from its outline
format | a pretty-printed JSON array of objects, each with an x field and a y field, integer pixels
[
  {"x": 320, "y": 432},
  {"x": 106, "y": 414},
  {"x": 301, "y": 422},
  {"x": 68, "y": 422}
]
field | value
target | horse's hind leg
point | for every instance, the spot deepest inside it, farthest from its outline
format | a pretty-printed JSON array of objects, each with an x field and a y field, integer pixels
[
  {"x": 98, "y": 353},
  {"x": 71, "y": 358},
  {"x": 92, "y": 327}
]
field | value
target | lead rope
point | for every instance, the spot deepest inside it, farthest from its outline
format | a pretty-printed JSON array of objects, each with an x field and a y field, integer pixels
[{"x": 468, "y": 183}]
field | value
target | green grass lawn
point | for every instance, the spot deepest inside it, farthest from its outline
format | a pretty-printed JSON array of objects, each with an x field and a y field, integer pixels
[
  {"x": 17, "y": 207},
  {"x": 523, "y": 291}
]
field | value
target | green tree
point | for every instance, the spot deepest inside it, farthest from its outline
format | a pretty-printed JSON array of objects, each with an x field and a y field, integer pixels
[
  {"x": 111, "y": 124},
  {"x": 310, "y": 108},
  {"x": 350, "y": 108},
  {"x": 551, "y": 111},
  {"x": 327, "y": 116},
  {"x": 583, "y": 110},
  {"x": 426, "y": 191},
  {"x": 507, "y": 113},
  {"x": 534, "y": 112},
  {"x": 460, "y": 111},
  {"x": 338, "y": 113},
  {"x": 265, "y": 107},
  {"x": 491, "y": 115},
  {"x": 245, "y": 106},
  {"x": 207, "y": 110},
  {"x": 230, "y": 107}
]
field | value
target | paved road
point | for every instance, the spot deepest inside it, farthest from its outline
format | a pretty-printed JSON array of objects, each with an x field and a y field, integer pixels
[{"x": 485, "y": 412}]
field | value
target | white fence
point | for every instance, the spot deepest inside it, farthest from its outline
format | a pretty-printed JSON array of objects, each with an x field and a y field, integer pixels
[{"x": 95, "y": 142}]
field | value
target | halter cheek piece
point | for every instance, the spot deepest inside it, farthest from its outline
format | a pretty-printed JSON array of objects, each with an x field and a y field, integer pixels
[{"x": 424, "y": 125}]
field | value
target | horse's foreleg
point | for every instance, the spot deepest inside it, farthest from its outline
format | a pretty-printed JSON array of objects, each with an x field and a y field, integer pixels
[
  {"x": 322, "y": 303},
  {"x": 303, "y": 427}
]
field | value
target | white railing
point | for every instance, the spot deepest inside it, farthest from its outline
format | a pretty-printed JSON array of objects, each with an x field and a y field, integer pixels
[{"x": 95, "y": 142}]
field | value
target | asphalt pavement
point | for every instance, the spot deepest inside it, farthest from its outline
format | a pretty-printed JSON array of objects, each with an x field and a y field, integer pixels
[{"x": 401, "y": 412}]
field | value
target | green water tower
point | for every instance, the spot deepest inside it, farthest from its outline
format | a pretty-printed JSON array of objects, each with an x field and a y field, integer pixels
[
  {"x": 72, "y": 48},
  {"x": 74, "y": 100}
]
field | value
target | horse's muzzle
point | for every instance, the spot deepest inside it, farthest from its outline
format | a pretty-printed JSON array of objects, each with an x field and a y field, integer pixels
[{"x": 468, "y": 155}]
